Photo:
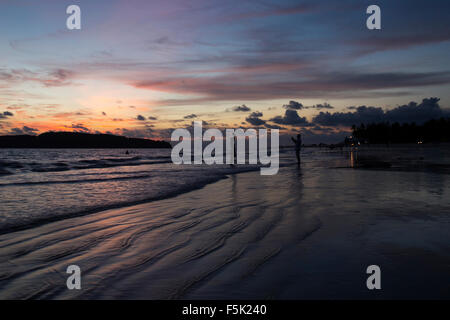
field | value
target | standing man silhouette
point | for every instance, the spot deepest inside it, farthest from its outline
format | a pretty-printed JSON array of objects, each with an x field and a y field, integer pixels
[{"x": 298, "y": 146}]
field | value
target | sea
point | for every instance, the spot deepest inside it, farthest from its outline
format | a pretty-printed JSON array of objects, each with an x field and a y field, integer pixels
[{"x": 43, "y": 185}]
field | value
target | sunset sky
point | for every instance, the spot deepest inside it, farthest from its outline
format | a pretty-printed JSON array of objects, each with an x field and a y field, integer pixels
[{"x": 143, "y": 68}]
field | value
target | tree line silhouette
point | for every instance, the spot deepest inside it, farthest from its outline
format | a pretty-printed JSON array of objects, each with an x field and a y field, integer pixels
[
  {"x": 78, "y": 140},
  {"x": 436, "y": 130}
]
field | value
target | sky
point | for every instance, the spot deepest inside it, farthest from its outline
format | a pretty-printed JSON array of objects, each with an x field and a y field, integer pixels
[{"x": 143, "y": 68}]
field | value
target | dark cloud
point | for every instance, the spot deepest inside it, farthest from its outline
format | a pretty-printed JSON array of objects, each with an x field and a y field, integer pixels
[
  {"x": 254, "y": 118},
  {"x": 412, "y": 112},
  {"x": 242, "y": 108},
  {"x": 255, "y": 121},
  {"x": 79, "y": 127},
  {"x": 419, "y": 113},
  {"x": 291, "y": 118},
  {"x": 362, "y": 114},
  {"x": 104, "y": 113},
  {"x": 140, "y": 118},
  {"x": 322, "y": 106},
  {"x": 256, "y": 114},
  {"x": 293, "y": 105},
  {"x": 190, "y": 116},
  {"x": 5, "y": 114},
  {"x": 152, "y": 118},
  {"x": 24, "y": 130}
]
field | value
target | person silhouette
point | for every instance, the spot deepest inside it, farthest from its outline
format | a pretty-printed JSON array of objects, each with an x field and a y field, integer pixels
[
  {"x": 234, "y": 152},
  {"x": 298, "y": 146}
]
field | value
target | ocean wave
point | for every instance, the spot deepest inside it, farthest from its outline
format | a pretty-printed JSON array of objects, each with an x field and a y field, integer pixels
[
  {"x": 176, "y": 182},
  {"x": 74, "y": 181},
  {"x": 95, "y": 164},
  {"x": 12, "y": 167}
]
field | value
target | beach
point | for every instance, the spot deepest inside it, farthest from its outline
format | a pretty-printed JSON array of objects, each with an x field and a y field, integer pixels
[{"x": 305, "y": 233}]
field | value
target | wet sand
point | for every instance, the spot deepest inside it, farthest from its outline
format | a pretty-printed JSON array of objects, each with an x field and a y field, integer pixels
[{"x": 306, "y": 233}]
